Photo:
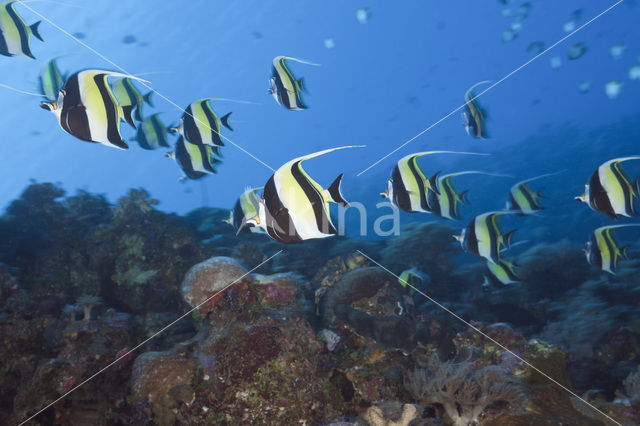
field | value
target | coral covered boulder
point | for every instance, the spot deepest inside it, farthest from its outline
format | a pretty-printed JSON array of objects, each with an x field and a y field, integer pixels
[{"x": 206, "y": 278}]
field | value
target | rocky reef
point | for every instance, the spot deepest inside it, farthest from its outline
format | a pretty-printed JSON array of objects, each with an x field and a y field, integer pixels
[{"x": 183, "y": 330}]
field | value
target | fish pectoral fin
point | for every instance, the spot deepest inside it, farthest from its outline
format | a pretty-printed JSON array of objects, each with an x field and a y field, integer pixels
[{"x": 334, "y": 194}]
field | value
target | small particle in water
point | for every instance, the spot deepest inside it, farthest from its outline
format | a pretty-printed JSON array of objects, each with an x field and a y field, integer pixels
[
  {"x": 616, "y": 51},
  {"x": 555, "y": 62},
  {"x": 584, "y": 87},
  {"x": 257, "y": 35},
  {"x": 576, "y": 51},
  {"x": 506, "y": 12},
  {"x": 536, "y": 47},
  {"x": 634, "y": 72},
  {"x": 80, "y": 36},
  {"x": 613, "y": 89},
  {"x": 516, "y": 26},
  {"x": 363, "y": 15},
  {"x": 329, "y": 43},
  {"x": 509, "y": 35},
  {"x": 129, "y": 39}
]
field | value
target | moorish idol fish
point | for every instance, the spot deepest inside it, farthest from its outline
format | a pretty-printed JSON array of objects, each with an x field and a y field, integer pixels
[
  {"x": 245, "y": 208},
  {"x": 443, "y": 199},
  {"x": 129, "y": 97},
  {"x": 603, "y": 249},
  {"x": 185, "y": 161},
  {"x": 483, "y": 237},
  {"x": 500, "y": 274},
  {"x": 152, "y": 133},
  {"x": 523, "y": 198},
  {"x": 408, "y": 186},
  {"x": 413, "y": 280},
  {"x": 14, "y": 33},
  {"x": 285, "y": 88},
  {"x": 610, "y": 191},
  {"x": 87, "y": 108},
  {"x": 473, "y": 115},
  {"x": 294, "y": 207},
  {"x": 51, "y": 81},
  {"x": 201, "y": 157},
  {"x": 200, "y": 125}
]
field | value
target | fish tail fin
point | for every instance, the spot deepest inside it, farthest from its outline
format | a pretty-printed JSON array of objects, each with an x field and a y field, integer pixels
[
  {"x": 147, "y": 98},
  {"x": 127, "y": 112},
  {"x": 225, "y": 121},
  {"x": 463, "y": 196},
  {"x": 35, "y": 31},
  {"x": 507, "y": 238},
  {"x": 334, "y": 194}
]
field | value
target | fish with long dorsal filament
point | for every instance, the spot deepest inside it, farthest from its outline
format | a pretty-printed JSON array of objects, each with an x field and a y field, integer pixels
[
  {"x": 443, "y": 199},
  {"x": 408, "y": 186},
  {"x": 285, "y": 89},
  {"x": 610, "y": 191},
  {"x": 524, "y": 199},
  {"x": 603, "y": 249},
  {"x": 87, "y": 108},
  {"x": 152, "y": 133},
  {"x": 200, "y": 124},
  {"x": 483, "y": 237},
  {"x": 51, "y": 80},
  {"x": 474, "y": 116},
  {"x": 130, "y": 99},
  {"x": 14, "y": 33},
  {"x": 294, "y": 207},
  {"x": 246, "y": 208}
]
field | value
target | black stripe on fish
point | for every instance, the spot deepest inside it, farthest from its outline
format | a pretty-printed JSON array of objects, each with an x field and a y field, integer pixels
[
  {"x": 20, "y": 26},
  {"x": 598, "y": 197},
  {"x": 189, "y": 127},
  {"x": 494, "y": 234},
  {"x": 212, "y": 122},
  {"x": 623, "y": 181},
  {"x": 314, "y": 198},
  {"x": 184, "y": 160},
  {"x": 73, "y": 117},
  {"x": 111, "y": 108},
  {"x": 416, "y": 175},
  {"x": 401, "y": 196},
  {"x": 160, "y": 131},
  {"x": 470, "y": 242},
  {"x": 277, "y": 220},
  {"x": 238, "y": 214},
  {"x": 4, "y": 47}
]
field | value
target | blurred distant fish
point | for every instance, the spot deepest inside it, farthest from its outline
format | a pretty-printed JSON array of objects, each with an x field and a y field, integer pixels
[
  {"x": 363, "y": 15},
  {"x": 200, "y": 125},
  {"x": 294, "y": 207},
  {"x": 408, "y": 186},
  {"x": 500, "y": 274},
  {"x": 570, "y": 25},
  {"x": 506, "y": 12},
  {"x": 613, "y": 89},
  {"x": 610, "y": 190},
  {"x": 634, "y": 72},
  {"x": 483, "y": 237},
  {"x": 555, "y": 62},
  {"x": 509, "y": 34},
  {"x": 474, "y": 115},
  {"x": 616, "y": 51},
  {"x": 536, "y": 47},
  {"x": 152, "y": 133},
  {"x": 584, "y": 87},
  {"x": 523, "y": 11},
  {"x": 413, "y": 280},
  {"x": 51, "y": 80},
  {"x": 603, "y": 249},
  {"x": 576, "y": 51},
  {"x": 246, "y": 208},
  {"x": 14, "y": 33},
  {"x": 523, "y": 198},
  {"x": 285, "y": 88},
  {"x": 130, "y": 98},
  {"x": 329, "y": 43},
  {"x": 88, "y": 109}
]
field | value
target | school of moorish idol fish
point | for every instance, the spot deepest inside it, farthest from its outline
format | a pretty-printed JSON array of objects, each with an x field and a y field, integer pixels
[{"x": 291, "y": 206}]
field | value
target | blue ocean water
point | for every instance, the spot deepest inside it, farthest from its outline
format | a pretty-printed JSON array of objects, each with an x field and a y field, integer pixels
[{"x": 383, "y": 82}]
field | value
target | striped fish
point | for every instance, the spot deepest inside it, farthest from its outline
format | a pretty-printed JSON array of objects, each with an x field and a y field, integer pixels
[
  {"x": 152, "y": 133},
  {"x": 524, "y": 199},
  {"x": 200, "y": 125},
  {"x": 285, "y": 88},
  {"x": 246, "y": 207},
  {"x": 51, "y": 81},
  {"x": 408, "y": 186},
  {"x": 603, "y": 249},
  {"x": 474, "y": 116},
  {"x": 87, "y": 108},
  {"x": 443, "y": 198},
  {"x": 500, "y": 274},
  {"x": 483, "y": 237},
  {"x": 130, "y": 98},
  {"x": 610, "y": 190},
  {"x": 196, "y": 161},
  {"x": 14, "y": 33},
  {"x": 413, "y": 280},
  {"x": 294, "y": 207}
]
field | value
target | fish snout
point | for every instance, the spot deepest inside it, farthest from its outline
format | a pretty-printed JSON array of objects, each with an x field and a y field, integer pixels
[
  {"x": 49, "y": 106},
  {"x": 581, "y": 198}
]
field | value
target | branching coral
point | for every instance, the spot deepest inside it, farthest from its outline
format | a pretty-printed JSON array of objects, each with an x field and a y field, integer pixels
[{"x": 464, "y": 393}]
